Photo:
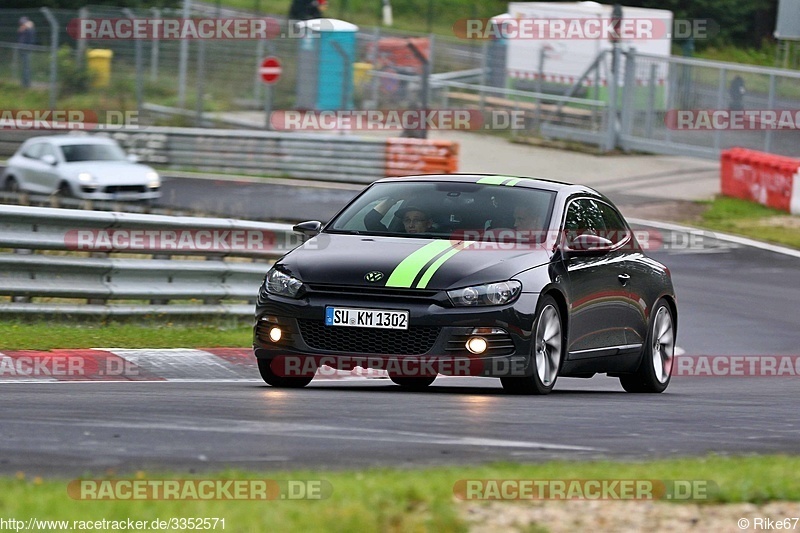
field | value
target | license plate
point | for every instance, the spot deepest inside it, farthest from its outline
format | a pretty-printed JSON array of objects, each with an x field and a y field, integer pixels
[{"x": 366, "y": 318}]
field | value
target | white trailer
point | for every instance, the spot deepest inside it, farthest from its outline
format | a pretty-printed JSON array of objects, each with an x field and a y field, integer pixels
[{"x": 573, "y": 36}]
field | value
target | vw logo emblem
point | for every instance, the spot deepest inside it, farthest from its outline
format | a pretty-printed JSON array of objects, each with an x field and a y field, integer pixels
[{"x": 374, "y": 276}]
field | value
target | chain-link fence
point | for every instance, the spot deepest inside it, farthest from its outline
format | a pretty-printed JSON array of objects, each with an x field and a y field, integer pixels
[{"x": 192, "y": 81}]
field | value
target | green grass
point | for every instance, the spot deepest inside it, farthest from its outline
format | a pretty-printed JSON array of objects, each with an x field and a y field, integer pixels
[
  {"x": 742, "y": 217},
  {"x": 390, "y": 499},
  {"x": 154, "y": 334}
]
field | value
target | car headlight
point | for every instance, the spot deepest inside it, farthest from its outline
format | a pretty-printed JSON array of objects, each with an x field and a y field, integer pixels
[
  {"x": 85, "y": 177},
  {"x": 499, "y": 293},
  {"x": 153, "y": 180},
  {"x": 282, "y": 284}
]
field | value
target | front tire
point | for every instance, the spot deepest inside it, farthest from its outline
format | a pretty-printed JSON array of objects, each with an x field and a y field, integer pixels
[
  {"x": 281, "y": 382},
  {"x": 11, "y": 184},
  {"x": 546, "y": 353},
  {"x": 63, "y": 190},
  {"x": 658, "y": 354}
]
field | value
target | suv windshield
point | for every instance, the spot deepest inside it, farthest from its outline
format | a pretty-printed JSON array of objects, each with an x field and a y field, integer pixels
[
  {"x": 440, "y": 209},
  {"x": 92, "y": 152}
]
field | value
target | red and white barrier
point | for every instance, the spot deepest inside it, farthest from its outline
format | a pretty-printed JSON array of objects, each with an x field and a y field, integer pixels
[
  {"x": 769, "y": 179},
  {"x": 120, "y": 364}
]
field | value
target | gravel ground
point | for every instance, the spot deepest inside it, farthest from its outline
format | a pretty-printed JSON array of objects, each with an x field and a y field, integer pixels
[{"x": 614, "y": 516}]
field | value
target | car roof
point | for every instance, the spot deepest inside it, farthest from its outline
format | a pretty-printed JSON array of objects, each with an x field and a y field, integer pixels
[
  {"x": 501, "y": 179},
  {"x": 62, "y": 140}
]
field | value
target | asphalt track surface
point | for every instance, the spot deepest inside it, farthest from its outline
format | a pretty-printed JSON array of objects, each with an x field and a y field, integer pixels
[{"x": 733, "y": 300}]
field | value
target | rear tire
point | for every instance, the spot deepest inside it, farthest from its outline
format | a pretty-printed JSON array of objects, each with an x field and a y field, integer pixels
[
  {"x": 547, "y": 349},
  {"x": 658, "y": 353},
  {"x": 281, "y": 382},
  {"x": 413, "y": 383}
]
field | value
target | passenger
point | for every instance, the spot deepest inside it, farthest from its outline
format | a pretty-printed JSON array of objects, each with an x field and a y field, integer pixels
[{"x": 526, "y": 218}]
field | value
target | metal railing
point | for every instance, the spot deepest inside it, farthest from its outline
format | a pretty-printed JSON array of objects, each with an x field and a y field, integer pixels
[
  {"x": 109, "y": 264},
  {"x": 328, "y": 157}
]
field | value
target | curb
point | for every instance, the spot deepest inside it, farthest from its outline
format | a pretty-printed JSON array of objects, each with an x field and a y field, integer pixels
[
  {"x": 744, "y": 241},
  {"x": 121, "y": 364}
]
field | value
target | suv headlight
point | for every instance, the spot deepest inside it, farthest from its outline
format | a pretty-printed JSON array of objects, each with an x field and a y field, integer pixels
[
  {"x": 153, "y": 180},
  {"x": 499, "y": 293},
  {"x": 282, "y": 284},
  {"x": 85, "y": 177}
]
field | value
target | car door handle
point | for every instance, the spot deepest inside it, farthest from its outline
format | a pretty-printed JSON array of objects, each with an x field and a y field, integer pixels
[{"x": 624, "y": 279}]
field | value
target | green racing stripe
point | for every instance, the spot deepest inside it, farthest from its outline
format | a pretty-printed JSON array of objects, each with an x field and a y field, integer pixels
[
  {"x": 423, "y": 282},
  {"x": 406, "y": 272}
]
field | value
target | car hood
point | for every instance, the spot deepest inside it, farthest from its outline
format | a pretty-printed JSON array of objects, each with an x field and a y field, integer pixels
[
  {"x": 405, "y": 262},
  {"x": 111, "y": 172}
]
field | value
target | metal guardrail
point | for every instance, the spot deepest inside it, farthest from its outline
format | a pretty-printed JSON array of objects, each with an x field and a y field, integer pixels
[
  {"x": 167, "y": 275},
  {"x": 347, "y": 158}
]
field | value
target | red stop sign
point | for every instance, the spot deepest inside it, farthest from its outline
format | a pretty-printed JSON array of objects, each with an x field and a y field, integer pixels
[{"x": 270, "y": 70}]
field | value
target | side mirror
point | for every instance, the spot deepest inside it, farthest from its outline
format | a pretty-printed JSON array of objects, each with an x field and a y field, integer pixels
[
  {"x": 49, "y": 159},
  {"x": 309, "y": 229},
  {"x": 586, "y": 245},
  {"x": 133, "y": 158}
]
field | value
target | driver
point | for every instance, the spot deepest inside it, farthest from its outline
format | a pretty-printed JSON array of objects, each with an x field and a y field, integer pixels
[{"x": 415, "y": 219}]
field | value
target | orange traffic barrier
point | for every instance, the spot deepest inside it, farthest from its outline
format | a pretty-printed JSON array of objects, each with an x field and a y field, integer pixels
[
  {"x": 405, "y": 157},
  {"x": 769, "y": 179}
]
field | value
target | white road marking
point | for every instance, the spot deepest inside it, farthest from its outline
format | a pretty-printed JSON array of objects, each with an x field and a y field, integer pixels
[
  {"x": 311, "y": 431},
  {"x": 744, "y": 241}
]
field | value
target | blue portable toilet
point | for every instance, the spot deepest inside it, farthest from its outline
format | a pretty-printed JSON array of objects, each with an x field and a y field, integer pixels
[
  {"x": 325, "y": 64},
  {"x": 496, "y": 54}
]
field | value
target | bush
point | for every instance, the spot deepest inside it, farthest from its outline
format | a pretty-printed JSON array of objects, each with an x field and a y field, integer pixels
[{"x": 74, "y": 78}]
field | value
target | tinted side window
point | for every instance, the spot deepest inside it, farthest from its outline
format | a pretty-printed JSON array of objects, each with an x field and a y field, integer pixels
[
  {"x": 33, "y": 151},
  {"x": 47, "y": 149},
  {"x": 615, "y": 226},
  {"x": 584, "y": 216}
]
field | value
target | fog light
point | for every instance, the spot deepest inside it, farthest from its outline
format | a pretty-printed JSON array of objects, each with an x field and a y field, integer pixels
[
  {"x": 477, "y": 345},
  {"x": 275, "y": 334}
]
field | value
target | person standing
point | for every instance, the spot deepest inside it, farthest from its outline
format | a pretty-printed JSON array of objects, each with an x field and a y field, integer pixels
[{"x": 26, "y": 36}]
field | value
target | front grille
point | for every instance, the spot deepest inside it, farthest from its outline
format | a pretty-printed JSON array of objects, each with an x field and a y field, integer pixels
[
  {"x": 113, "y": 189},
  {"x": 416, "y": 340},
  {"x": 376, "y": 291}
]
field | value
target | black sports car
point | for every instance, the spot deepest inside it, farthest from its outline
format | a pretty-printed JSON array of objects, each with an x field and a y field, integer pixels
[{"x": 518, "y": 278}]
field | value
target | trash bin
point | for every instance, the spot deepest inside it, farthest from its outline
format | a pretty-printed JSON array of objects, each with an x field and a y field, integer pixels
[
  {"x": 99, "y": 64},
  {"x": 361, "y": 73}
]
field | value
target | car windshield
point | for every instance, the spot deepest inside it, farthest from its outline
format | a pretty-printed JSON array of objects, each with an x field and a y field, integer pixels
[
  {"x": 92, "y": 152},
  {"x": 442, "y": 209}
]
